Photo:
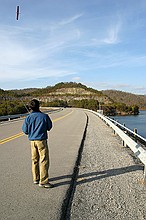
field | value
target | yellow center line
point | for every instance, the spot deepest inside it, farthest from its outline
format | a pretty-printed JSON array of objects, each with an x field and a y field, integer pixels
[
  {"x": 11, "y": 138},
  {"x": 21, "y": 133},
  {"x": 57, "y": 119}
]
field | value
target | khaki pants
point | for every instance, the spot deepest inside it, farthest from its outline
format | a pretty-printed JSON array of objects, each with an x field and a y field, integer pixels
[{"x": 40, "y": 161}]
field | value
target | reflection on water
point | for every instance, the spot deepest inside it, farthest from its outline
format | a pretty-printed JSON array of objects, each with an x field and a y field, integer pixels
[{"x": 134, "y": 121}]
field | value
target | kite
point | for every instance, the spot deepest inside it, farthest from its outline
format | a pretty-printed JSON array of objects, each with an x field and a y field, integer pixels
[{"x": 17, "y": 12}]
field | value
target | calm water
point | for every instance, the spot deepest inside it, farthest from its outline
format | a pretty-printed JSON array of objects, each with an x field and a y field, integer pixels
[{"x": 131, "y": 122}]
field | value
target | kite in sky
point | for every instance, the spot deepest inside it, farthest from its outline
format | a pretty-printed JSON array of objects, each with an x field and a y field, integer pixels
[{"x": 17, "y": 12}]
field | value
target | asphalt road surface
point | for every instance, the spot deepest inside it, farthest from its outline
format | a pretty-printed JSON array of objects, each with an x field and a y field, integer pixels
[
  {"x": 19, "y": 197},
  {"x": 107, "y": 184}
]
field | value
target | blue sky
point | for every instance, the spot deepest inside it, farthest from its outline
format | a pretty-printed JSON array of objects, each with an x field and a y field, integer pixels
[{"x": 100, "y": 43}]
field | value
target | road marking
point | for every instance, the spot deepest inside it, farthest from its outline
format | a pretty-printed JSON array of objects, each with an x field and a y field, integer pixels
[
  {"x": 11, "y": 138},
  {"x": 57, "y": 119},
  {"x": 21, "y": 134}
]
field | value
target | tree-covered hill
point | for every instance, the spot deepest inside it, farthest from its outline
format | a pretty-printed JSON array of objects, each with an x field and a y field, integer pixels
[
  {"x": 127, "y": 98},
  {"x": 68, "y": 94},
  {"x": 65, "y": 86}
]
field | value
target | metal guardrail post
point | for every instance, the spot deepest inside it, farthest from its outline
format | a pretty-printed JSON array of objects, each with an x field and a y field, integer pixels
[
  {"x": 135, "y": 131},
  {"x": 145, "y": 174},
  {"x": 123, "y": 143}
]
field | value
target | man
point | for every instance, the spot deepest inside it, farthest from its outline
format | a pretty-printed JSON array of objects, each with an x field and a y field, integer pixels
[{"x": 36, "y": 126}]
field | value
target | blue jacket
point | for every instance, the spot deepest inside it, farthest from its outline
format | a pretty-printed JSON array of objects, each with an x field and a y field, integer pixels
[{"x": 36, "y": 125}]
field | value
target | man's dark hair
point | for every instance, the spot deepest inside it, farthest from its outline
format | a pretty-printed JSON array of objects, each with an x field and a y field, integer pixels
[{"x": 34, "y": 105}]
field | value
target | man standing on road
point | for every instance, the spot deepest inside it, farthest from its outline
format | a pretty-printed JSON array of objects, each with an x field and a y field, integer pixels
[{"x": 36, "y": 126}]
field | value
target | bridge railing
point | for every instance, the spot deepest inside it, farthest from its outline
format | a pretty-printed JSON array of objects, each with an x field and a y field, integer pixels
[
  {"x": 129, "y": 132},
  {"x": 10, "y": 117},
  {"x": 137, "y": 149},
  {"x": 16, "y": 116}
]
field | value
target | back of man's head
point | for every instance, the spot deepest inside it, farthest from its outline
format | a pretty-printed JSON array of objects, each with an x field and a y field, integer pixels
[{"x": 34, "y": 105}]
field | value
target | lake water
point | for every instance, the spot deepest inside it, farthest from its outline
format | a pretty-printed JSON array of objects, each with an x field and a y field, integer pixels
[{"x": 134, "y": 121}]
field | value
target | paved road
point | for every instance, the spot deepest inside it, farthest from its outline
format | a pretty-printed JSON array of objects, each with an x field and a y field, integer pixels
[
  {"x": 107, "y": 185},
  {"x": 19, "y": 197}
]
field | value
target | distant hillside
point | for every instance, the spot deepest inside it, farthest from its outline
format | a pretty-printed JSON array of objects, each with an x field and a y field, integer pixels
[
  {"x": 70, "y": 91},
  {"x": 127, "y": 98},
  {"x": 71, "y": 94}
]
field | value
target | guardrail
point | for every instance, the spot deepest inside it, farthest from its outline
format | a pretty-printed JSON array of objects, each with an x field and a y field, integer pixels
[
  {"x": 134, "y": 146},
  {"x": 131, "y": 133},
  {"x": 9, "y": 117}
]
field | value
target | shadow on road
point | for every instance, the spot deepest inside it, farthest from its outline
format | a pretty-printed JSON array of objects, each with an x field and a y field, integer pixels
[
  {"x": 61, "y": 180},
  {"x": 93, "y": 176},
  {"x": 73, "y": 181},
  {"x": 89, "y": 177}
]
